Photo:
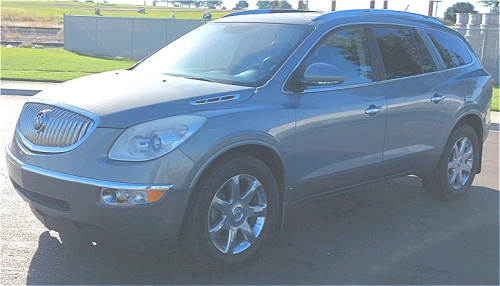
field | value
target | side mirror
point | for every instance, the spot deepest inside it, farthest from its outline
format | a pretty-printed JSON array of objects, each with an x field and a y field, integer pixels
[{"x": 319, "y": 74}]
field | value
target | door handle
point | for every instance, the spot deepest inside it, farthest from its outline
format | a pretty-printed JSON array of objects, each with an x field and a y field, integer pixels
[
  {"x": 436, "y": 98},
  {"x": 372, "y": 110}
]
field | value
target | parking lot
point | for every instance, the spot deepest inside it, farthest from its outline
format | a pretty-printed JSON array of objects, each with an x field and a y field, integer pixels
[{"x": 386, "y": 233}]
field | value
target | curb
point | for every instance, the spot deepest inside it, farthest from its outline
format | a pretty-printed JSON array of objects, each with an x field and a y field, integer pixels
[{"x": 22, "y": 92}]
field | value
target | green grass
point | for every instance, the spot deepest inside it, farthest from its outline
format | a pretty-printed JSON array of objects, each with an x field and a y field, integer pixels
[
  {"x": 495, "y": 100},
  {"x": 52, "y": 11},
  {"x": 53, "y": 64}
]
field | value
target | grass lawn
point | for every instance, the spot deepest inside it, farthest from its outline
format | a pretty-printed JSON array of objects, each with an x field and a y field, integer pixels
[
  {"x": 52, "y": 11},
  {"x": 52, "y": 64},
  {"x": 495, "y": 100}
]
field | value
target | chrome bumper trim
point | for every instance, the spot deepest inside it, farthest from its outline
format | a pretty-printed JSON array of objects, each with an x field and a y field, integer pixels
[{"x": 85, "y": 181}]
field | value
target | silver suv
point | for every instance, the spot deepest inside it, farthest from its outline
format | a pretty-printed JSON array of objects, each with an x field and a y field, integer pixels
[{"x": 211, "y": 140}]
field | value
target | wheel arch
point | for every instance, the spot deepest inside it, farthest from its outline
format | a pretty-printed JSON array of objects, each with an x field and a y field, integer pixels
[{"x": 263, "y": 151}]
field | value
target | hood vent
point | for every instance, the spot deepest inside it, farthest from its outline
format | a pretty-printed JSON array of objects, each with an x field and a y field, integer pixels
[{"x": 215, "y": 99}]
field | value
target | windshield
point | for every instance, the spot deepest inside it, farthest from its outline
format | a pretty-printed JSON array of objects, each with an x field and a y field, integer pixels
[{"x": 235, "y": 53}]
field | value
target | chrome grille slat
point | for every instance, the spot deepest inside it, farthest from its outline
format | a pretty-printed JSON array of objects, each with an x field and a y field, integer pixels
[{"x": 64, "y": 127}]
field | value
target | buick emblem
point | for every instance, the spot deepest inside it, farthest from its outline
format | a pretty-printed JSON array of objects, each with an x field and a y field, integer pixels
[{"x": 41, "y": 119}]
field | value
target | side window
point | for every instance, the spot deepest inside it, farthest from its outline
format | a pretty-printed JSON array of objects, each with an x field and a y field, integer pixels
[
  {"x": 348, "y": 51},
  {"x": 403, "y": 52},
  {"x": 451, "y": 48},
  {"x": 427, "y": 62}
]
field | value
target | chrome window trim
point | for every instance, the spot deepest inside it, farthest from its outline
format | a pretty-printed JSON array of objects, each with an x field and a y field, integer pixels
[
  {"x": 85, "y": 181},
  {"x": 332, "y": 88},
  {"x": 45, "y": 149}
]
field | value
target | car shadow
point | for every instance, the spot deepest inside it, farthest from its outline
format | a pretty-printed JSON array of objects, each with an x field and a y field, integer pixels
[{"x": 387, "y": 233}]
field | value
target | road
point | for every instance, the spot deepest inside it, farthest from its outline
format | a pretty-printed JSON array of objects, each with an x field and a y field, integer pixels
[{"x": 387, "y": 233}]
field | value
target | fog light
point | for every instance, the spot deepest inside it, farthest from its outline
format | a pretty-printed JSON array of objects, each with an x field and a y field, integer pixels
[{"x": 117, "y": 197}]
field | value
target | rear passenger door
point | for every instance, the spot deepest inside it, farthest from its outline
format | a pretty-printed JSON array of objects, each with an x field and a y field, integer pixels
[{"x": 416, "y": 114}]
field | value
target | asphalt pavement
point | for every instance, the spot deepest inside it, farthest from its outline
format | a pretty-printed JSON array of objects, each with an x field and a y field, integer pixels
[{"x": 387, "y": 233}]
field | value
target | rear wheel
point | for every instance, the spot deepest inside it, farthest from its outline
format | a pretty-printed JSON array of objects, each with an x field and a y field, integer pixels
[
  {"x": 455, "y": 172},
  {"x": 233, "y": 212}
]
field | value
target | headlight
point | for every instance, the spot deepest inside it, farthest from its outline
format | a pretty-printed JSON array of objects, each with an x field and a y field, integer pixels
[{"x": 155, "y": 138}]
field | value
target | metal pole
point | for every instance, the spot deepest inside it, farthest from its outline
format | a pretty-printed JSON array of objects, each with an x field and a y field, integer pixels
[
  {"x": 386, "y": 3},
  {"x": 372, "y": 4},
  {"x": 437, "y": 3}
]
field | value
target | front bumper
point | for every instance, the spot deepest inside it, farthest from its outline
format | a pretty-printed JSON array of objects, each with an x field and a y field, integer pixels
[{"x": 63, "y": 202}]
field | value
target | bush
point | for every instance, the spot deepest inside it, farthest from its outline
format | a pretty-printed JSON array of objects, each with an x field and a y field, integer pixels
[{"x": 25, "y": 45}]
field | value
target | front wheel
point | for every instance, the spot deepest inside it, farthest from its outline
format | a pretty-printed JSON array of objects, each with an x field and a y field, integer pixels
[
  {"x": 455, "y": 172},
  {"x": 232, "y": 213}
]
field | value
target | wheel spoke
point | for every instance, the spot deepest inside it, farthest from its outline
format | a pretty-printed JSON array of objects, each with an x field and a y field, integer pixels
[
  {"x": 248, "y": 233},
  {"x": 467, "y": 168},
  {"x": 221, "y": 205},
  {"x": 463, "y": 144},
  {"x": 257, "y": 211},
  {"x": 217, "y": 229},
  {"x": 453, "y": 176},
  {"x": 452, "y": 165},
  {"x": 250, "y": 193},
  {"x": 460, "y": 178},
  {"x": 468, "y": 154},
  {"x": 455, "y": 151},
  {"x": 234, "y": 185},
  {"x": 231, "y": 239}
]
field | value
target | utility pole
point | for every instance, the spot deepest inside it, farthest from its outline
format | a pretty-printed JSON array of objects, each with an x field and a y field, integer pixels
[{"x": 437, "y": 3}]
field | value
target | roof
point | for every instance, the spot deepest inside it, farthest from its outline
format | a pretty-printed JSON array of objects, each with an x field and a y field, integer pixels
[{"x": 285, "y": 16}]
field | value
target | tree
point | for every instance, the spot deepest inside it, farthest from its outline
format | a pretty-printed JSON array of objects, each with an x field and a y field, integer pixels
[
  {"x": 493, "y": 4},
  {"x": 242, "y": 4},
  {"x": 209, "y": 4},
  {"x": 285, "y": 5},
  {"x": 269, "y": 4},
  {"x": 461, "y": 7},
  {"x": 264, "y": 4}
]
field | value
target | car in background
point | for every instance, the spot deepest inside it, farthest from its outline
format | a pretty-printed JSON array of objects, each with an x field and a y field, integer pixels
[{"x": 210, "y": 141}]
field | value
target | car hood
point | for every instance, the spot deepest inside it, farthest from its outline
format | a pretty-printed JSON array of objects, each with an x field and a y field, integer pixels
[{"x": 124, "y": 98}]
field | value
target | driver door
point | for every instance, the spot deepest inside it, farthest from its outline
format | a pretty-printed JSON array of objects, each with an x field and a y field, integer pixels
[{"x": 340, "y": 126}]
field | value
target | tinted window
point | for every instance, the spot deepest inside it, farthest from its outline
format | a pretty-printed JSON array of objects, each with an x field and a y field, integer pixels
[
  {"x": 400, "y": 53},
  {"x": 451, "y": 48},
  {"x": 427, "y": 63},
  {"x": 348, "y": 51}
]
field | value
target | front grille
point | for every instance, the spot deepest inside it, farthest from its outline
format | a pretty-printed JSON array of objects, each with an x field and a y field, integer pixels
[
  {"x": 49, "y": 128},
  {"x": 50, "y": 202}
]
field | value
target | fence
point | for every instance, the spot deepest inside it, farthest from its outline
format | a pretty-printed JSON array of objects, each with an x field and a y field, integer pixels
[
  {"x": 124, "y": 37},
  {"x": 481, "y": 30}
]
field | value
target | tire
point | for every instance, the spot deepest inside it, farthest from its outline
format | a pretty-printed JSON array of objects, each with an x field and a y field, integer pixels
[
  {"x": 232, "y": 213},
  {"x": 457, "y": 167}
]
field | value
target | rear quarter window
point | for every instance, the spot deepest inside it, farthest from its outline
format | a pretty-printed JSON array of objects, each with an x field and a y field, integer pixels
[{"x": 452, "y": 49}]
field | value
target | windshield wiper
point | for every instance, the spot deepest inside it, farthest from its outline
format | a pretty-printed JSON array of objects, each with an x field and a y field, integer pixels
[{"x": 200, "y": 78}]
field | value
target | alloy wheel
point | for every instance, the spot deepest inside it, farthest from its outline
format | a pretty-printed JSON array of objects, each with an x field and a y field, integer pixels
[
  {"x": 237, "y": 214},
  {"x": 460, "y": 163}
]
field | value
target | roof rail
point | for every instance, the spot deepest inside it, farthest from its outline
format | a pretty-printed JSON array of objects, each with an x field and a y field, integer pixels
[
  {"x": 265, "y": 11},
  {"x": 377, "y": 12}
]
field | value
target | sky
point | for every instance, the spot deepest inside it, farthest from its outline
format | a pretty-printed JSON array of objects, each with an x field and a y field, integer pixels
[{"x": 414, "y": 6}]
